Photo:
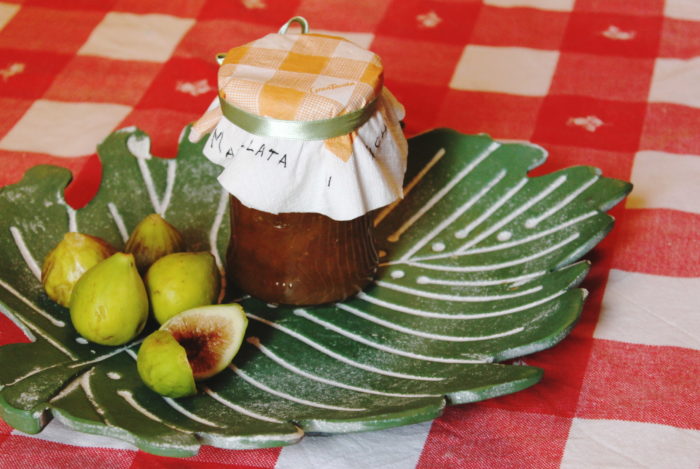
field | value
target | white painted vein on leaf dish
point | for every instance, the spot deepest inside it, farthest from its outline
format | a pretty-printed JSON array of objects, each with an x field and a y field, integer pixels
[
  {"x": 87, "y": 388},
  {"x": 139, "y": 146},
  {"x": 111, "y": 353},
  {"x": 444, "y": 224},
  {"x": 515, "y": 213},
  {"x": 498, "y": 266},
  {"x": 169, "y": 184},
  {"x": 70, "y": 211},
  {"x": 425, "y": 280},
  {"x": 285, "y": 364},
  {"x": 533, "y": 237},
  {"x": 51, "y": 340},
  {"x": 409, "y": 187},
  {"x": 128, "y": 396},
  {"x": 456, "y": 298},
  {"x": 504, "y": 235},
  {"x": 72, "y": 386},
  {"x": 241, "y": 410},
  {"x": 422, "y": 334},
  {"x": 386, "y": 348},
  {"x": 443, "y": 191},
  {"x": 25, "y": 252},
  {"x": 464, "y": 232},
  {"x": 150, "y": 186},
  {"x": 432, "y": 314},
  {"x": 515, "y": 242},
  {"x": 43, "y": 334},
  {"x": 175, "y": 405},
  {"x": 26, "y": 301},
  {"x": 339, "y": 357},
  {"x": 118, "y": 221},
  {"x": 534, "y": 221},
  {"x": 289, "y": 397},
  {"x": 28, "y": 374}
]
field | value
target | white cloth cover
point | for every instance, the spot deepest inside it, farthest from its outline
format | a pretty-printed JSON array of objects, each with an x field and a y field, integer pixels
[{"x": 278, "y": 175}]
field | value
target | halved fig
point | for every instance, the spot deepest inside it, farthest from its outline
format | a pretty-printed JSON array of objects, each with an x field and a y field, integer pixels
[
  {"x": 210, "y": 337},
  {"x": 163, "y": 366}
]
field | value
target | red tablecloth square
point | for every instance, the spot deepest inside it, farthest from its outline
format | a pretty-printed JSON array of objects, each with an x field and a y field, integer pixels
[
  {"x": 671, "y": 127},
  {"x": 418, "y": 20},
  {"x": 589, "y": 122},
  {"x": 181, "y": 8},
  {"x": 512, "y": 439},
  {"x": 422, "y": 104},
  {"x": 413, "y": 61},
  {"x": 658, "y": 241},
  {"x": 98, "y": 79},
  {"x": 272, "y": 13},
  {"x": 483, "y": 113},
  {"x": 27, "y": 73},
  {"x": 211, "y": 458},
  {"x": 610, "y": 34},
  {"x": 679, "y": 39},
  {"x": 623, "y": 7},
  {"x": 49, "y": 29},
  {"x": 182, "y": 85},
  {"x": 642, "y": 383},
  {"x": 607, "y": 77},
  {"x": 344, "y": 15},
  {"x": 524, "y": 27}
]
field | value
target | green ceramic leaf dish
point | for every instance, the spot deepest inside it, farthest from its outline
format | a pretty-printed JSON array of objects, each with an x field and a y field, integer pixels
[{"x": 478, "y": 266}]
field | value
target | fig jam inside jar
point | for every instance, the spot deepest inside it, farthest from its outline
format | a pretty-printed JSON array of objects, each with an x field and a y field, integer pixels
[{"x": 299, "y": 258}]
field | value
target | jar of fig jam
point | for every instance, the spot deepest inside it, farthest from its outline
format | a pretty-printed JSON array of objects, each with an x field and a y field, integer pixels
[{"x": 311, "y": 146}]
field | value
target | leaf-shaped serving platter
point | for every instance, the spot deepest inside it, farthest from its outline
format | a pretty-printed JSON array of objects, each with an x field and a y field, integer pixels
[{"x": 478, "y": 265}]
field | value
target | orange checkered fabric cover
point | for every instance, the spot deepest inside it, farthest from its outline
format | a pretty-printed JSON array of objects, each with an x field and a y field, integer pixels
[{"x": 300, "y": 77}]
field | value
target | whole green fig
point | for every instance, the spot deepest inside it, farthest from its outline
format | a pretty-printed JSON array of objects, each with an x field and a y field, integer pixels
[
  {"x": 68, "y": 261},
  {"x": 109, "y": 304},
  {"x": 181, "y": 281},
  {"x": 152, "y": 239}
]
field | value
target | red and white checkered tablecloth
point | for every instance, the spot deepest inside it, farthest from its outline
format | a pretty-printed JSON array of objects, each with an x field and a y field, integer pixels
[{"x": 609, "y": 83}]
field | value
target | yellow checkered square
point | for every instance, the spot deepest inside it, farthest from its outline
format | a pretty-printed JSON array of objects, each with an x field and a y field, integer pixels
[
  {"x": 280, "y": 102},
  {"x": 313, "y": 64}
]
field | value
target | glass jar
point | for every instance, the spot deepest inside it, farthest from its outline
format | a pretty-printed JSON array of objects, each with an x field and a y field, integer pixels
[{"x": 299, "y": 258}]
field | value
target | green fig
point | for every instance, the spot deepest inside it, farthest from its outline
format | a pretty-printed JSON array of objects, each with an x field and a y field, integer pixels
[
  {"x": 152, "y": 239},
  {"x": 193, "y": 345},
  {"x": 68, "y": 261},
  {"x": 182, "y": 281},
  {"x": 163, "y": 366},
  {"x": 109, "y": 304}
]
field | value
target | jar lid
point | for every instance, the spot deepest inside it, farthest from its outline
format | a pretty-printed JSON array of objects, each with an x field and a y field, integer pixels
[
  {"x": 289, "y": 99},
  {"x": 300, "y": 77}
]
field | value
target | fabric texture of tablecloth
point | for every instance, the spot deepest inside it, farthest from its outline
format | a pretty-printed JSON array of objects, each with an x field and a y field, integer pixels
[{"x": 609, "y": 83}]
